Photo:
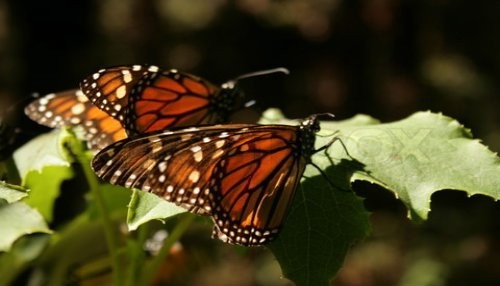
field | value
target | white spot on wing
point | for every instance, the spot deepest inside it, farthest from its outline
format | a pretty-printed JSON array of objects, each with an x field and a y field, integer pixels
[
  {"x": 161, "y": 179},
  {"x": 223, "y": 135},
  {"x": 121, "y": 92},
  {"x": 78, "y": 108},
  {"x": 195, "y": 149},
  {"x": 194, "y": 176},
  {"x": 162, "y": 166},
  {"x": 220, "y": 143},
  {"x": 198, "y": 156},
  {"x": 127, "y": 77},
  {"x": 153, "y": 69}
]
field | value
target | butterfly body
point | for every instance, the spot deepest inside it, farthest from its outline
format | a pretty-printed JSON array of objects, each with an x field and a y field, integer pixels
[
  {"x": 147, "y": 98},
  {"x": 242, "y": 175}
]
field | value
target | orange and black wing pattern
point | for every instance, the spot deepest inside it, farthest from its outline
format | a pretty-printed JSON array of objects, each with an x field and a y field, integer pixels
[
  {"x": 72, "y": 108},
  {"x": 243, "y": 176},
  {"x": 146, "y": 98}
]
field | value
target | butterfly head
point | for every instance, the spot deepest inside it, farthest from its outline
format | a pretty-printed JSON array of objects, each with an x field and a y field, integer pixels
[
  {"x": 307, "y": 132},
  {"x": 233, "y": 94},
  {"x": 227, "y": 101}
]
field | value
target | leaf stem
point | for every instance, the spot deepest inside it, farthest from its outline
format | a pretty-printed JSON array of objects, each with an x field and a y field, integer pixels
[
  {"x": 111, "y": 238},
  {"x": 137, "y": 256}
]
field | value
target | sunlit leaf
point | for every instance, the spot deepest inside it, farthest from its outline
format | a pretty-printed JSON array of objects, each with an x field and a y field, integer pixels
[
  {"x": 18, "y": 219},
  {"x": 145, "y": 206}
]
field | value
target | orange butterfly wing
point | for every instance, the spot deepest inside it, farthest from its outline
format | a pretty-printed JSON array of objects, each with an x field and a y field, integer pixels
[
  {"x": 72, "y": 108},
  {"x": 243, "y": 176},
  {"x": 146, "y": 98}
]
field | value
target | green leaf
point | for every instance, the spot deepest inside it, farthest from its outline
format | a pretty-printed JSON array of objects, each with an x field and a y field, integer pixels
[
  {"x": 413, "y": 157},
  {"x": 44, "y": 164},
  {"x": 18, "y": 219},
  {"x": 44, "y": 150},
  {"x": 45, "y": 187},
  {"x": 420, "y": 155},
  {"x": 145, "y": 206},
  {"x": 11, "y": 193},
  {"x": 322, "y": 224}
]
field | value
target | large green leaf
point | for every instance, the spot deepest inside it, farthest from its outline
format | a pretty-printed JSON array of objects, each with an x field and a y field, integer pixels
[
  {"x": 413, "y": 157},
  {"x": 420, "y": 155}
]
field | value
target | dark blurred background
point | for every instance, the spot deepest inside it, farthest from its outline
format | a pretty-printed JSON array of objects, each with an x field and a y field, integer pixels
[{"x": 386, "y": 58}]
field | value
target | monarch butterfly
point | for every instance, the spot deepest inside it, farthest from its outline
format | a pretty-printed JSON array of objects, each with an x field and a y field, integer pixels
[
  {"x": 147, "y": 98},
  {"x": 242, "y": 175},
  {"x": 138, "y": 89},
  {"x": 72, "y": 108}
]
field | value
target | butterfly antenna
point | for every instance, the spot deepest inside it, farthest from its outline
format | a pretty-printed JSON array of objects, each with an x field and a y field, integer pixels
[
  {"x": 232, "y": 83},
  {"x": 263, "y": 72}
]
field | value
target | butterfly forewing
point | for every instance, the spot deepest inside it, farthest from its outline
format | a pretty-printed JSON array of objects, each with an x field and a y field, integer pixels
[
  {"x": 72, "y": 108},
  {"x": 147, "y": 98},
  {"x": 109, "y": 89},
  {"x": 243, "y": 176},
  {"x": 169, "y": 164}
]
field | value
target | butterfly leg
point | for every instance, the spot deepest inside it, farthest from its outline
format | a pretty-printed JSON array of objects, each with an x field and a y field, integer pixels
[{"x": 325, "y": 149}]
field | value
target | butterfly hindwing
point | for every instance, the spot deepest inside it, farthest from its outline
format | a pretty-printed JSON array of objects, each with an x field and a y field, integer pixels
[{"x": 72, "y": 108}]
